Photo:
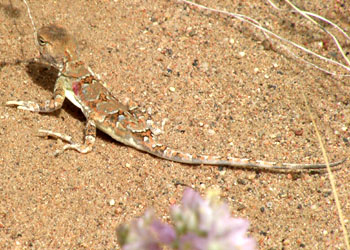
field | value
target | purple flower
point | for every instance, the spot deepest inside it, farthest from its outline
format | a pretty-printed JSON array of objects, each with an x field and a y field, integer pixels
[
  {"x": 145, "y": 233},
  {"x": 198, "y": 225},
  {"x": 206, "y": 225}
]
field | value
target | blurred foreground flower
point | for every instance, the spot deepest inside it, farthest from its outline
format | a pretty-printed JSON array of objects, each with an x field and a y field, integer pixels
[
  {"x": 198, "y": 225},
  {"x": 146, "y": 233}
]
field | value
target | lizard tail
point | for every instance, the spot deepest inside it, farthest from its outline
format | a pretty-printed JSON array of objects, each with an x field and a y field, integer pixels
[
  {"x": 167, "y": 153},
  {"x": 146, "y": 142}
]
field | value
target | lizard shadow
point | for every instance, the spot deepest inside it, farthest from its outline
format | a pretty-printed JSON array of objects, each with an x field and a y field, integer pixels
[
  {"x": 45, "y": 76},
  {"x": 42, "y": 74}
]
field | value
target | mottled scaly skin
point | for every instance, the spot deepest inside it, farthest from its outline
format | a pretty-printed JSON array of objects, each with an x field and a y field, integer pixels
[{"x": 103, "y": 111}]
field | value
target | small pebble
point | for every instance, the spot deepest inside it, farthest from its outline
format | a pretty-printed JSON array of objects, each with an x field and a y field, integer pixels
[
  {"x": 172, "y": 89},
  {"x": 118, "y": 211},
  {"x": 282, "y": 195},
  {"x": 205, "y": 66},
  {"x": 172, "y": 201},
  {"x": 241, "y": 54},
  {"x": 149, "y": 110},
  {"x": 211, "y": 132},
  {"x": 241, "y": 181},
  {"x": 286, "y": 242},
  {"x": 241, "y": 207},
  {"x": 299, "y": 132},
  {"x": 263, "y": 233},
  {"x": 232, "y": 41},
  {"x": 222, "y": 173},
  {"x": 272, "y": 86},
  {"x": 251, "y": 176},
  {"x": 256, "y": 70},
  {"x": 112, "y": 202}
]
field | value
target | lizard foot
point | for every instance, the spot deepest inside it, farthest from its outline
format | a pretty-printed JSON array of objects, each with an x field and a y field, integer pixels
[{"x": 82, "y": 148}]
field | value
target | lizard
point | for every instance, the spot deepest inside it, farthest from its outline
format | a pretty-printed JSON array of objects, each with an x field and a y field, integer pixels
[{"x": 103, "y": 111}]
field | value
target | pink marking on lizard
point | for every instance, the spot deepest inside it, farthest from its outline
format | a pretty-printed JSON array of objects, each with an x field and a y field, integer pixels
[{"x": 76, "y": 88}]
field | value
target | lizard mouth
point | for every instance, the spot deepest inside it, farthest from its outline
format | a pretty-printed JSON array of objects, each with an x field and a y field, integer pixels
[{"x": 49, "y": 59}]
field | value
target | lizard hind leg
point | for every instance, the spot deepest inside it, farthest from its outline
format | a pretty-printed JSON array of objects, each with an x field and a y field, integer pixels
[{"x": 86, "y": 147}]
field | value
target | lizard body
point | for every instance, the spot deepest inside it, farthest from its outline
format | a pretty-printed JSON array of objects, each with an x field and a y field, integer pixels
[{"x": 102, "y": 110}]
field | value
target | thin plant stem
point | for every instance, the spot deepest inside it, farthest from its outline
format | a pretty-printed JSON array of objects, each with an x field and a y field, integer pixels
[
  {"x": 330, "y": 175},
  {"x": 325, "y": 30},
  {"x": 33, "y": 24},
  {"x": 256, "y": 24}
]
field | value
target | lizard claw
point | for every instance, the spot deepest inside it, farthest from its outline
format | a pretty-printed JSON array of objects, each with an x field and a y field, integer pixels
[
  {"x": 31, "y": 106},
  {"x": 14, "y": 103},
  {"x": 63, "y": 137}
]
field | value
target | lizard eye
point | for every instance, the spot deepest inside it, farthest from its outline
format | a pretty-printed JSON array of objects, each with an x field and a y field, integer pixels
[{"x": 41, "y": 41}]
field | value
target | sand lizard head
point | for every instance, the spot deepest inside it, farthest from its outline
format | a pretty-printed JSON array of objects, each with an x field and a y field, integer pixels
[{"x": 56, "y": 45}]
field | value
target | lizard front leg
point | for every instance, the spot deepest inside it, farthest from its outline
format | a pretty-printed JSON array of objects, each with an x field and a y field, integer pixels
[
  {"x": 47, "y": 106},
  {"x": 90, "y": 137}
]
